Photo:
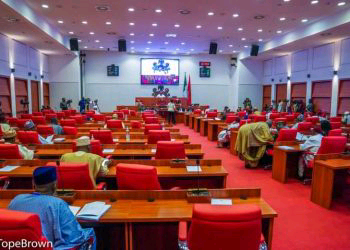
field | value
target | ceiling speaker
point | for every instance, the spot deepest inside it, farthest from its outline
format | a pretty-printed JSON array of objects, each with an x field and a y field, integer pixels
[
  {"x": 122, "y": 45},
  {"x": 74, "y": 46},
  {"x": 213, "y": 48},
  {"x": 255, "y": 50}
]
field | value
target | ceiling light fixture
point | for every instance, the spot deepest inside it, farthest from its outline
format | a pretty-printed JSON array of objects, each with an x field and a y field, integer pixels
[
  {"x": 230, "y": 45},
  {"x": 131, "y": 34},
  {"x": 279, "y": 31},
  {"x": 192, "y": 49},
  {"x": 45, "y": 6},
  {"x": 131, "y": 24},
  {"x": 341, "y": 3},
  {"x": 71, "y": 32},
  {"x": 314, "y": 2},
  {"x": 108, "y": 23},
  {"x": 177, "y": 49},
  {"x": 132, "y": 41},
  {"x": 151, "y": 34},
  {"x": 170, "y": 35},
  {"x": 60, "y": 21},
  {"x": 85, "y": 47},
  {"x": 260, "y": 30},
  {"x": 177, "y": 25},
  {"x": 147, "y": 48},
  {"x": 166, "y": 42},
  {"x": 260, "y": 40},
  {"x": 220, "y": 51},
  {"x": 92, "y": 33},
  {"x": 97, "y": 41},
  {"x": 79, "y": 41},
  {"x": 235, "y": 15},
  {"x": 282, "y": 18},
  {"x": 210, "y": 13},
  {"x": 84, "y": 22},
  {"x": 198, "y": 26},
  {"x": 149, "y": 42},
  {"x": 245, "y": 46},
  {"x": 240, "y": 29},
  {"x": 182, "y": 43},
  {"x": 219, "y": 28},
  {"x": 243, "y": 39},
  {"x": 304, "y": 20},
  {"x": 131, "y": 9},
  {"x": 158, "y": 11},
  {"x": 101, "y": 47},
  {"x": 154, "y": 24}
]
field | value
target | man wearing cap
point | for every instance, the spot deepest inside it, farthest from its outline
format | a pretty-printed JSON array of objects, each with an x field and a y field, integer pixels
[
  {"x": 57, "y": 129},
  {"x": 30, "y": 126},
  {"x": 97, "y": 164},
  {"x": 10, "y": 137},
  {"x": 58, "y": 222}
]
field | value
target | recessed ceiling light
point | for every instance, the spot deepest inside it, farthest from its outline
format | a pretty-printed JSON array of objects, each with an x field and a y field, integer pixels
[
  {"x": 108, "y": 23},
  {"x": 192, "y": 49},
  {"x": 132, "y": 41},
  {"x": 177, "y": 49},
  {"x": 132, "y": 34},
  {"x": 245, "y": 46},
  {"x": 132, "y": 51},
  {"x": 341, "y": 3},
  {"x": 170, "y": 35},
  {"x": 314, "y": 2},
  {"x": 240, "y": 29},
  {"x": 230, "y": 45},
  {"x": 154, "y": 24},
  {"x": 219, "y": 28},
  {"x": 174, "y": 53},
  {"x": 260, "y": 30},
  {"x": 234, "y": 51},
  {"x": 282, "y": 18},
  {"x": 304, "y": 20},
  {"x": 235, "y": 15},
  {"x": 132, "y": 48},
  {"x": 279, "y": 31},
  {"x": 146, "y": 52},
  {"x": 85, "y": 47},
  {"x": 92, "y": 33},
  {"x": 158, "y": 11},
  {"x": 166, "y": 42},
  {"x": 97, "y": 41},
  {"x": 101, "y": 47},
  {"x": 198, "y": 26},
  {"x": 220, "y": 51},
  {"x": 71, "y": 32},
  {"x": 151, "y": 34},
  {"x": 182, "y": 43},
  {"x": 60, "y": 21},
  {"x": 131, "y": 24},
  {"x": 79, "y": 41},
  {"x": 176, "y": 25},
  {"x": 84, "y": 22},
  {"x": 149, "y": 42},
  {"x": 147, "y": 48},
  {"x": 210, "y": 13},
  {"x": 131, "y": 9},
  {"x": 45, "y": 6},
  {"x": 286, "y": 0},
  {"x": 260, "y": 40},
  {"x": 243, "y": 39}
]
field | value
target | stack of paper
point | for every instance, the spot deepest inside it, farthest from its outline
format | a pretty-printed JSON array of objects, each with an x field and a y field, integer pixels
[
  {"x": 194, "y": 169},
  {"x": 59, "y": 139},
  {"x": 108, "y": 150},
  {"x": 153, "y": 150},
  {"x": 8, "y": 168},
  {"x": 221, "y": 202},
  {"x": 285, "y": 147},
  {"x": 93, "y": 211}
]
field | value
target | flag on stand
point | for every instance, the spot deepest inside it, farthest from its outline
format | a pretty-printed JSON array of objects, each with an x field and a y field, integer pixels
[
  {"x": 185, "y": 84},
  {"x": 189, "y": 93}
]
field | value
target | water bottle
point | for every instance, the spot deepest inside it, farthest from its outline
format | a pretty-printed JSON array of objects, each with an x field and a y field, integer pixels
[{"x": 127, "y": 135}]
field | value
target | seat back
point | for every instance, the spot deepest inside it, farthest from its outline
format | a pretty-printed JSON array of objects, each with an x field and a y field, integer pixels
[
  {"x": 95, "y": 147},
  {"x": 79, "y": 119},
  {"x": 114, "y": 124},
  {"x": 120, "y": 115},
  {"x": 69, "y": 173},
  {"x": 212, "y": 114},
  {"x": 132, "y": 113},
  {"x": 99, "y": 117},
  {"x": 273, "y": 116},
  {"x": 37, "y": 114},
  {"x": 90, "y": 113},
  {"x": 125, "y": 111},
  {"x": 286, "y": 134},
  {"x": 151, "y": 120},
  {"x": 136, "y": 124},
  {"x": 284, "y": 120},
  {"x": 197, "y": 112},
  {"x": 335, "y": 132},
  {"x": 28, "y": 137},
  {"x": 335, "y": 125},
  {"x": 231, "y": 118},
  {"x": 20, "y": 122},
  {"x": 335, "y": 119},
  {"x": 9, "y": 151},
  {"x": 68, "y": 122},
  {"x": 242, "y": 122},
  {"x": 137, "y": 177},
  {"x": 290, "y": 118},
  {"x": 13, "y": 121},
  {"x": 16, "y": 226},
  {"x": 314, "y": 120},
  {"x": 60, "y": 115},
  {"x": 49, "y": 116},
  {"x": 67, "y": 113},
  {"x": 39, "y": 120},
  {"x": 170, "y": 150},
  {"x": 45, "y": 130},
  {"x": 149, "y": 127},
  {"x": 158, "y": 135},
  {"x": 225, "y": 227},
  {"x": 67, "y": 130},
  {"x": 241, "y": 114},
  {"x": 332, "y": 145},
  {"x": 260, "y": 118},
  {"x": 104, "y": 136},
  {"x": 304, "y": 127},
  {"x": 26, "y": 116}
]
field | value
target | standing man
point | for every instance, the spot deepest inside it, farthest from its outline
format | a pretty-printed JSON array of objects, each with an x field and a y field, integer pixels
[
  {"x": 82, "y": 105},
  {"x": 63, "y": 104},
  {"x": 171, "y": 112}
]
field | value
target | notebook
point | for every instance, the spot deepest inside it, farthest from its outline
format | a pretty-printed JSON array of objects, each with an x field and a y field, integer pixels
[
  {"x": 59, "y": 139},
  {"x": 221, "y": 202},
  {"x": 93, "y": 211},
  {"x": 108, "y": 150},
  {"x": 285, "y": 147},
  {"x": 193, "y": 169},
  {"x": 74, "y": 209},
  {"x": 8, "y": 168}
]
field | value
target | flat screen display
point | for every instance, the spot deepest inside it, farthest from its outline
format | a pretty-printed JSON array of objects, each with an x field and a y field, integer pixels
[{"x": 159, "y": 71}]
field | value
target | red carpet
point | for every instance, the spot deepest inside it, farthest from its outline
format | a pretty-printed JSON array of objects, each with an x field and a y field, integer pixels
[{"x": 300, "y": 224}]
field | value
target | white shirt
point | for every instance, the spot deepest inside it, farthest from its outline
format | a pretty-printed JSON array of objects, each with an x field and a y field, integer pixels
[{"x": 171, "y": 106}]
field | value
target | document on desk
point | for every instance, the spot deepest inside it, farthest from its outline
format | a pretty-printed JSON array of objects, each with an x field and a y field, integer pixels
[
  {"x": 93, "y": 211},
  {"x": 74, "y": 209},
  {"x": 193, "y": 168},
  {"x": 221, "y": 202},
  {"x": 173, "y": 140},
  {"x": 8, "y": 168},
  {"x": 153, "y": 150},
  {"x": 108, "y": 150},
  {"x": 285, "y": 147},
  {"x": 59, "y": 139},
  {"x": 115, "y": 140}
]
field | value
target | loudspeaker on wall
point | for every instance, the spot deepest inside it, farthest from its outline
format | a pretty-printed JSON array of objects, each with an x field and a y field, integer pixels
[
  {"x": 213, "y": 48},
  {"x": 74, "y": 46},
  {"x": 255, "y": 50},
  {"x": 121, "y": 45}
]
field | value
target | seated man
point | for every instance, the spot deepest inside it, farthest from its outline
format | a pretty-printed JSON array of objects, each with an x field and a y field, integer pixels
[
  {"x": 312, "y": 144},
  {"x": 224, "y": 135},
  {"x": 97, "y": 164},
  {"x": 114, "y": 117},
  {"x": 57, "y": 129},
  {"x": 30, "y": 126},
  {"x": 4, "y": 126},
  {"x": 10, "y": 137},
  {"x": 57, "y": 221},
  {"x": 346, "y": 118}
]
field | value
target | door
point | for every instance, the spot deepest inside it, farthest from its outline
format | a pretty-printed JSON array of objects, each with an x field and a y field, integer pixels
[{"x": 35, "y": 96}]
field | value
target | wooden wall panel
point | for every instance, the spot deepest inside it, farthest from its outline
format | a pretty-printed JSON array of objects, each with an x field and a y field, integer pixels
[
  {"x": 5, "y": 95},
  {"x": 35, "y": 96},
  {"x": 266, "y": 95},
  {"x": 281, "y": 92},
  {"x": 298, "y": 91},
  {"x": 21, "y": 94},
  {"x": 46, "y": 89},
  {"x": 344, "y": 97},
  {"x": 322, "y": 95}
]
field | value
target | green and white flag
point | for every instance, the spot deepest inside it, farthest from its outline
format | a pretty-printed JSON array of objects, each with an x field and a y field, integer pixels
[{"x": 185, "y": 84}]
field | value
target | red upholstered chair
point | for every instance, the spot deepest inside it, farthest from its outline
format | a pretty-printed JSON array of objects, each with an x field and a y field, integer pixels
[
  {"x": 158, "y": 135},
  {"x": 26, "y": 116},
  {"x": 67, "y": 113},
  {"x": 304, "y": 127},
  {"x": 73, "y": 112},
  {"x": 231, "y": 118},
  {"x": 49, "y": 116},
  {"x": 170, "y": 150},
  {"x": 69, "y": 173},
  {"x": 151, "y": 120},
  {"x": 114, "y": 124},
  {"x": 137, "y": 177},
  {"x": 286, "y": 134},
  {"x": 197, "y": 112},
  {"x": 4, "y": 182},
  {"x": 120, "y": 115},
  {"x": 335, "y": 119},
  {"x": 273, "y": 116},
  {"x": 147, "y": 113},
  {"x": 149, "y": 127},
  {"x": 212, "y": 114},
  {"x": 39, "y": 120},
  {"x": 335, "y": 125},
  {"x": 314, "y": 120},
  {"x": 283, "y": 114},
  {"x": 284, "y": 120},
  {"x": 132, "y": 113},
  {"x": 241, "y": 114},
  {"x": 60, "y": 115},
  {"x": 104, "y": 136},
  {"x": 125, "y": 111},
  {"x": 1, "y": 133},
  {"x": 335, "y": 132},
  {"x": 263, "y": 113},
  {"x": 136, "y": 124},
  {"x": 260, "y": 118},
  {"x": 223, "y": 227},
  {"x": 16, "y": 226},
  {"x": 90, "y": 113},
  {"x": 38, "y": 114},
  {"x": 79, "y": 119},
  {"x": 290, "y": 118},
  {"x": 242, "y": 122},
  {"x": 296, "y": 114},
  {"x": 68, "y": 122},
  {"x": 45, "y": 130},
  {"x": 67, "y": 130},
  {"x": 9, "y": 151},
  {"x": 48, "y": 111},
  {"x": 28, "y": 137},
  {"x": 95, "y": 147},
  {"x": 99, "y": 117},
  {"x": 20, "y": 122},
  {"x": 12, "y": 121}
]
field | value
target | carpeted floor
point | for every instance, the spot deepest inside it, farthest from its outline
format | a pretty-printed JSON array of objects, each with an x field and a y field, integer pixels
[{"x": 300, "y": 224}]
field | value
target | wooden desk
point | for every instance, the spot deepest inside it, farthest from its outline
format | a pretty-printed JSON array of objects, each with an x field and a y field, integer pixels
[
  {"x": 196, "y": 125},
  {"x": 233, "y": 138},
  {"x": 187, "y": 119},
  {"x": 204, "y": 127},
  {"x": 324, "y": 174},
  {"x": 191, "y": 121},
  {"x": 213, "y": 130},
  {"x": 153, "y": 225},
  {"x": 285, "y": 160}
]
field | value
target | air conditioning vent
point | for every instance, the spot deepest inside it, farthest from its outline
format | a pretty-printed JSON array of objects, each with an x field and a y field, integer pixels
[
  {"x": 184, "y": 12},
  {"x": 102, "y": 8}
]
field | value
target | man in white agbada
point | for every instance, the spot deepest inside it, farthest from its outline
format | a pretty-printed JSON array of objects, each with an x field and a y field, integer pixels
[
  {"x": 224, "y": 135},
  {"x": 10, "y": 137},
  {"x": 30, "y": 126},
  {"x": 346, "y": 118}
]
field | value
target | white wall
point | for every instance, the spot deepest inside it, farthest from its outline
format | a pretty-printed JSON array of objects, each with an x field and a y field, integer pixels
[
  {"x": 123, "y": 89},
  {"x": 23, "y": 59}
]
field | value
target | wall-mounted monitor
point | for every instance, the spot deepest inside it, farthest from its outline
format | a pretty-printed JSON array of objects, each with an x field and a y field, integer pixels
[{"x": 159, "y": 71}]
